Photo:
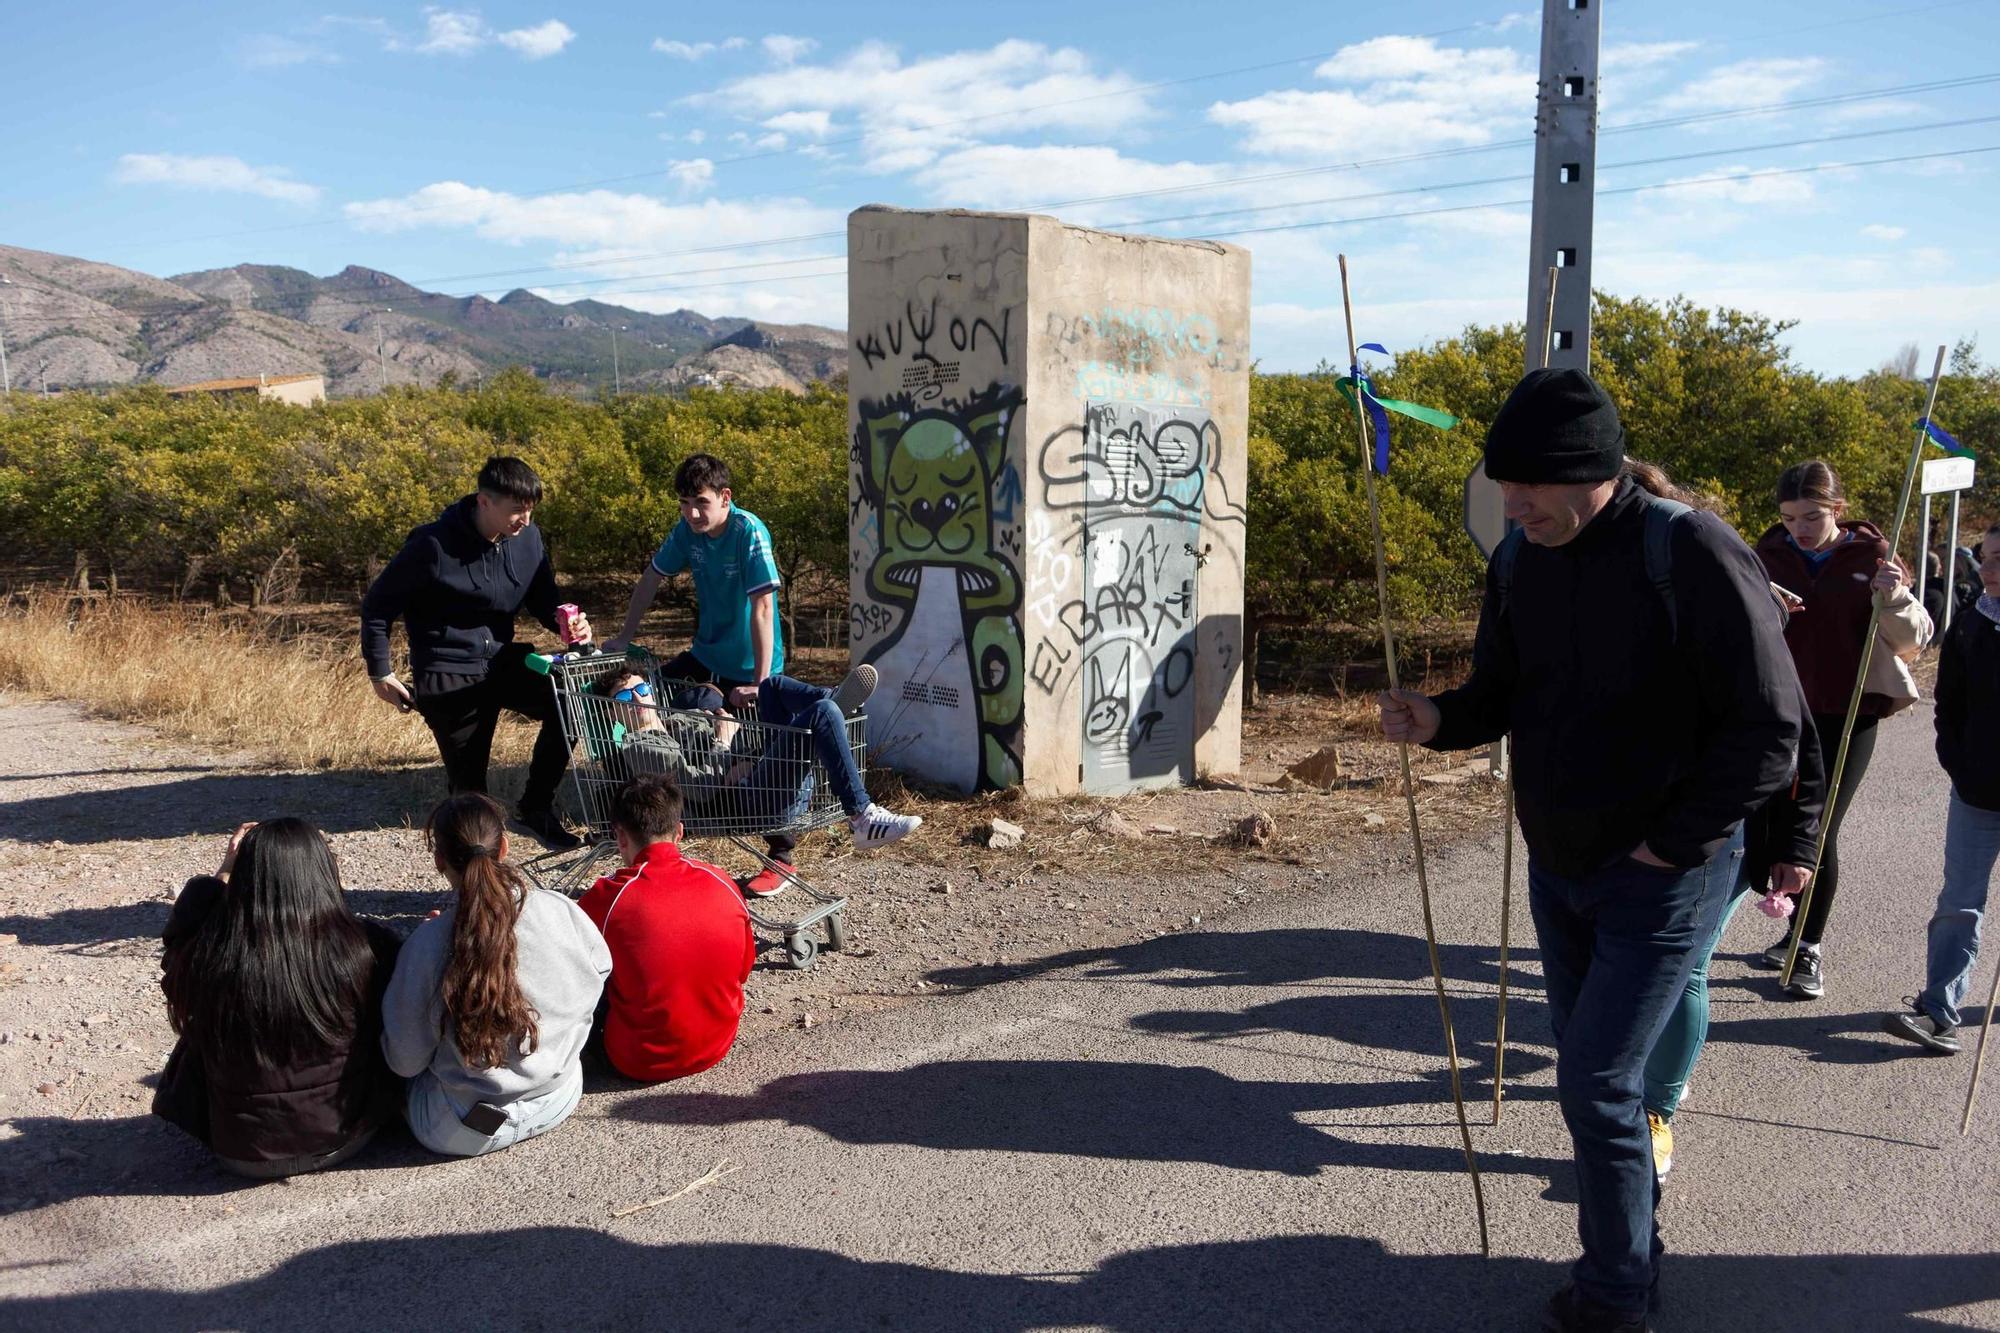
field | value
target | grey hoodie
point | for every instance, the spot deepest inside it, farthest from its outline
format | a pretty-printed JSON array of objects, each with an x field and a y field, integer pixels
[{"x": 561, "y": 963}]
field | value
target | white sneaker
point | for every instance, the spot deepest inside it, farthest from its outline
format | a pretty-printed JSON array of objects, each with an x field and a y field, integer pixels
[
  {"x": 853, "y": 692},
  {"x": 876, "y": 827}
]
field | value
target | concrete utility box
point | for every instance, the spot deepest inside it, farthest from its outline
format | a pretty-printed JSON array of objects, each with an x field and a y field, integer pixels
[{"x": 1045, "y": 493}]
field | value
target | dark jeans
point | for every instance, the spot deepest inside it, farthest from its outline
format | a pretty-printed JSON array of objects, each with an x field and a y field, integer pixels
[
  {"x": 462, "y": 711},
  {"x": 1859, "y": 751},
  {"x": 784, "y": 702},
  {"x": 686, "y": 666},
  {"x": 1617, "y": 948}
]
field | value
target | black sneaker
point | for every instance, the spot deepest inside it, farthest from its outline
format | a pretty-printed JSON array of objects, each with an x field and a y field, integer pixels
[
  {"x": 1774, "y": 957},
  {"x": 547, "y": 827},
  {"x": 1808, "y": 977},
  {"x": 1921, "y": 1028},
  {"x": 1571, "y": 1312}
]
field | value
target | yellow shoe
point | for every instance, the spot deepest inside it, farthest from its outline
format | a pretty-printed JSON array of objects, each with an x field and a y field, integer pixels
[{"x": 1663, "y": 1144}]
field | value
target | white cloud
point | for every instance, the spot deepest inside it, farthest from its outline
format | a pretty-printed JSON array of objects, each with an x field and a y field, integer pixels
[
  {"x": 909, "y": 113},
  {"x": 1740, "y": 186},
  {"x": 1746, "y": 83},
  {"x": 770, "y": 143},
  {"x": 811, "y": 124},
  {"x": 269, "y": 51},
  {"x": 639, "y": 244},
  {"x": 1410, "y": 94},
  {"x": 231, "y": 175},
  {"x": 539, "y": 42},
  {"x": 680, "y": 50},
  {"x": 691, "y": 173},
  {"x": 1876, "y": 231},
  {"x": 1014, "y": 176},
  {"x": 697, "y": 137},
  {"x": 452, "y": 32},
  {"x": 461, "y": 32},
  {"x": 1627, "y": 58},
  {"x": 787, "y": 50}
]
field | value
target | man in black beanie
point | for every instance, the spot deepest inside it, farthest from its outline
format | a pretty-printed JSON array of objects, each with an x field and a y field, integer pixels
[{"x": 1632, "y": 649}]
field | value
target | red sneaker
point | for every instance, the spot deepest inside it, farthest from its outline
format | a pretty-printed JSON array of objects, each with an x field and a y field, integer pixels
[{"x": 766, "y": 883}]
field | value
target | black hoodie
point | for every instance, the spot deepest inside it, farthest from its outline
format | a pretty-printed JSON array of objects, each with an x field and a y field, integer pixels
[
  {"x": 1968, "y": 708},
  {"x": 458, "y": 594},
  {"x": 1624, "y": 731}
]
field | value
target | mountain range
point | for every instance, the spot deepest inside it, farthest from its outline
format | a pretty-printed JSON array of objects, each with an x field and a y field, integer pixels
[{"x": 74, "y": 324}]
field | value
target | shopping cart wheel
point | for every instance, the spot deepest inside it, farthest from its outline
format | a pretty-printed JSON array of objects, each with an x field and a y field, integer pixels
[
  {"x": 800, "y": 950},
  {"x": 836, "y": 933}
]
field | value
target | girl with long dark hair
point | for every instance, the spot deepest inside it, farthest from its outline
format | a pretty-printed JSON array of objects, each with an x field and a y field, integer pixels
[
  {"x": 493, "y": 998},
  {"x": 275, "y": 989},
  {"x": 1834, "y": 570}
]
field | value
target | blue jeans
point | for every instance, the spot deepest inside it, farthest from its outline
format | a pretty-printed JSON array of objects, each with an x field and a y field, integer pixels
[
  {"x": 434, "y": 1119},
  {"x": 1686, "y": 1032},
  {"x": 784, "y": 702},
  {"x": 1617, "y": 947},
  {"x": 1971, "y": 846}
]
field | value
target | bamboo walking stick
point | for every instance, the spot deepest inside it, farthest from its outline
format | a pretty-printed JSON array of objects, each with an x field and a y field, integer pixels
[
  {"x": 1860, "y": 680},
  {"x": 1979, "y": 1061},
  {"x": 1507, "y": 815},
  {"x": 1409, "y": 781}
]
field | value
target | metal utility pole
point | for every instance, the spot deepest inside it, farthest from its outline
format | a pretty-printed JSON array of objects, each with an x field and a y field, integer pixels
[
  {"x": 617, "y": 386},
  {"x": 382, "y": 355},
  {"x": 6, "y": 382}
]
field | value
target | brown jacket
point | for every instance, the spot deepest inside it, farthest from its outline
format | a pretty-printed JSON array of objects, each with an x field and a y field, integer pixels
[{"x": 1827, "y": 636}]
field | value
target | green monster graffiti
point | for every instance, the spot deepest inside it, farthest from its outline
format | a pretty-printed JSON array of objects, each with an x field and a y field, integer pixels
[{"x": 950, "y": 698}]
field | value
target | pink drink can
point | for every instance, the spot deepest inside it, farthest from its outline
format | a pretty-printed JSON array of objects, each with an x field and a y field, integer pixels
[{"x": 566, "y": 615}]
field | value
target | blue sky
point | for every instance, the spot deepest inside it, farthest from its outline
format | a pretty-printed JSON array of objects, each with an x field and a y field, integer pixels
[{"x": 672, "y": 154}]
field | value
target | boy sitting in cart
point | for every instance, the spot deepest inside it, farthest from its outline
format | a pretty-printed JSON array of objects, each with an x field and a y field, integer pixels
[{"x": 743, "y": 779}]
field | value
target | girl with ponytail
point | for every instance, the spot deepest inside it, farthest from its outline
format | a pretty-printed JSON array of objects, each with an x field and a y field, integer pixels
[{"x": 492, "y": 998}]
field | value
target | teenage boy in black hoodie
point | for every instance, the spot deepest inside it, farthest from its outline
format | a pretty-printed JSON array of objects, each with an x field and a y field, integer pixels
[
  {"x": 1646, "y": 727},
  {"x": 458, "y": 583},
  {"x": 1968, "y": 745}
]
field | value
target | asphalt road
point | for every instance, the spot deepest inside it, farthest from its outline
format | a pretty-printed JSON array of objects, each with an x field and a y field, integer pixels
[{"x": 1244, "y": 1127}]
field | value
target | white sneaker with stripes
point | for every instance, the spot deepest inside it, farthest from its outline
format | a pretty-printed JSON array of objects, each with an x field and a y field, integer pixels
[{"x": 876, "y": 827}]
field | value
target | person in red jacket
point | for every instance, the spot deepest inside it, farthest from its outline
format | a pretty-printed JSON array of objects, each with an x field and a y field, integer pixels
[
  {"x": 1830, "y": 571},
  {"x": 680, "y": 941}
]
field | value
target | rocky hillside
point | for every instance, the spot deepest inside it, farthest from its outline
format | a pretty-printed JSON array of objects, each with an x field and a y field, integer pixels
[{"x": 71, "y": 323}]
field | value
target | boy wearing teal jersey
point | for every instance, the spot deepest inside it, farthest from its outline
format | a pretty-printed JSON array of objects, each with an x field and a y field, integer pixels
[{"x": 737, "y": 641}]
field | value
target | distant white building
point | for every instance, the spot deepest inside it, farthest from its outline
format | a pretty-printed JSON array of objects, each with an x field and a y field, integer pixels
[{"x": 299, "y": 390}]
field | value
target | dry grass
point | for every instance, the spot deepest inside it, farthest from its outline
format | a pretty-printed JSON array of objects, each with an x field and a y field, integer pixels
[{"x": 231, "y": 680}]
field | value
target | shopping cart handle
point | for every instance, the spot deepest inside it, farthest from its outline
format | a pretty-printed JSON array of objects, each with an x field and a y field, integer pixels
[{"x": 543, "y": 663}]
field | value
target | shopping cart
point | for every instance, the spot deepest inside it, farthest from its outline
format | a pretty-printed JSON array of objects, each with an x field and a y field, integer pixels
[{"x": 739, "y": 778}]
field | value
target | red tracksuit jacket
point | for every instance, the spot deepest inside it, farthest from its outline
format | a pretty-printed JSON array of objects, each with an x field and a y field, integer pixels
[{"x": 681, "y": 949}]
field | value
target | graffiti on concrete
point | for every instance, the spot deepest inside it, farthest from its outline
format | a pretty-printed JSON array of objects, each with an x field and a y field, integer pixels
[{"x": 937, "y": 478}]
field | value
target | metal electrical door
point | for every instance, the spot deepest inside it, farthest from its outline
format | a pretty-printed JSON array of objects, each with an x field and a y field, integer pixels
[{"x": 1142, "y": 528}]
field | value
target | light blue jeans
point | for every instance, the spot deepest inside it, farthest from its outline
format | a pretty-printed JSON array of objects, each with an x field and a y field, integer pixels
[
  {"x": 1971, "y": 846},
  {"x": 434, "y": 1119},
  {"x": 1680, "y": 1042}
]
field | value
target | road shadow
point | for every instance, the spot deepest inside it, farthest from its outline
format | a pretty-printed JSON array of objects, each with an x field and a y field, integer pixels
[
  {"x": 215, "y": 801},
  {"x": 1264, "y": 958},
  {"x": 134, "y": 928},
  {"x": 571, "y": 1277},
  {"x": 1825, "y": 1038},
  {"x": 1116, "y": 1110},
  {"x": 53, "y": 1160}
]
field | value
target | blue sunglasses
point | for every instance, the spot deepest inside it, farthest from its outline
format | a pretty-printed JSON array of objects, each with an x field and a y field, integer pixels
[{"x": 636, "y": 693}]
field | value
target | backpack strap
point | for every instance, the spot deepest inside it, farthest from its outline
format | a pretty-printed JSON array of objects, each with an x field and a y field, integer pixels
[
  {"x": 1659, "y": 552},
  {"x": 1661, "y": 516},
  {"x": 1504, "y": 557}
]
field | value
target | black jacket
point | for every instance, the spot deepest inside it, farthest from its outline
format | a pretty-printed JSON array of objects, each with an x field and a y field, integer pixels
[
  {"x": 249, "y": 1114},
  {"x": 1785, "y": 829},
  {"x": 458, "y": 595},
  {"x": 1625, "y": 732},
  {"x": 1968, "y": 708}
]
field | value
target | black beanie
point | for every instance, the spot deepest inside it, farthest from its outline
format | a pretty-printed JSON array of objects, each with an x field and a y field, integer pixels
[{"x": 1556, "y": 427}]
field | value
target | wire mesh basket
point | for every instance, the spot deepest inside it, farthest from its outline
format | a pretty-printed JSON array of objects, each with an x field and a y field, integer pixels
[{"x": 739, "y": 777}]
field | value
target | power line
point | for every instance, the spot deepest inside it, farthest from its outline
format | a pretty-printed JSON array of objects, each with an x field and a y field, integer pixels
[
  {"x": 1434, "y": 187},
  {"x": 1501, "y": 23},
  {"x": 279, "y": 303},
  {"x": 1725, "y": 178}
]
